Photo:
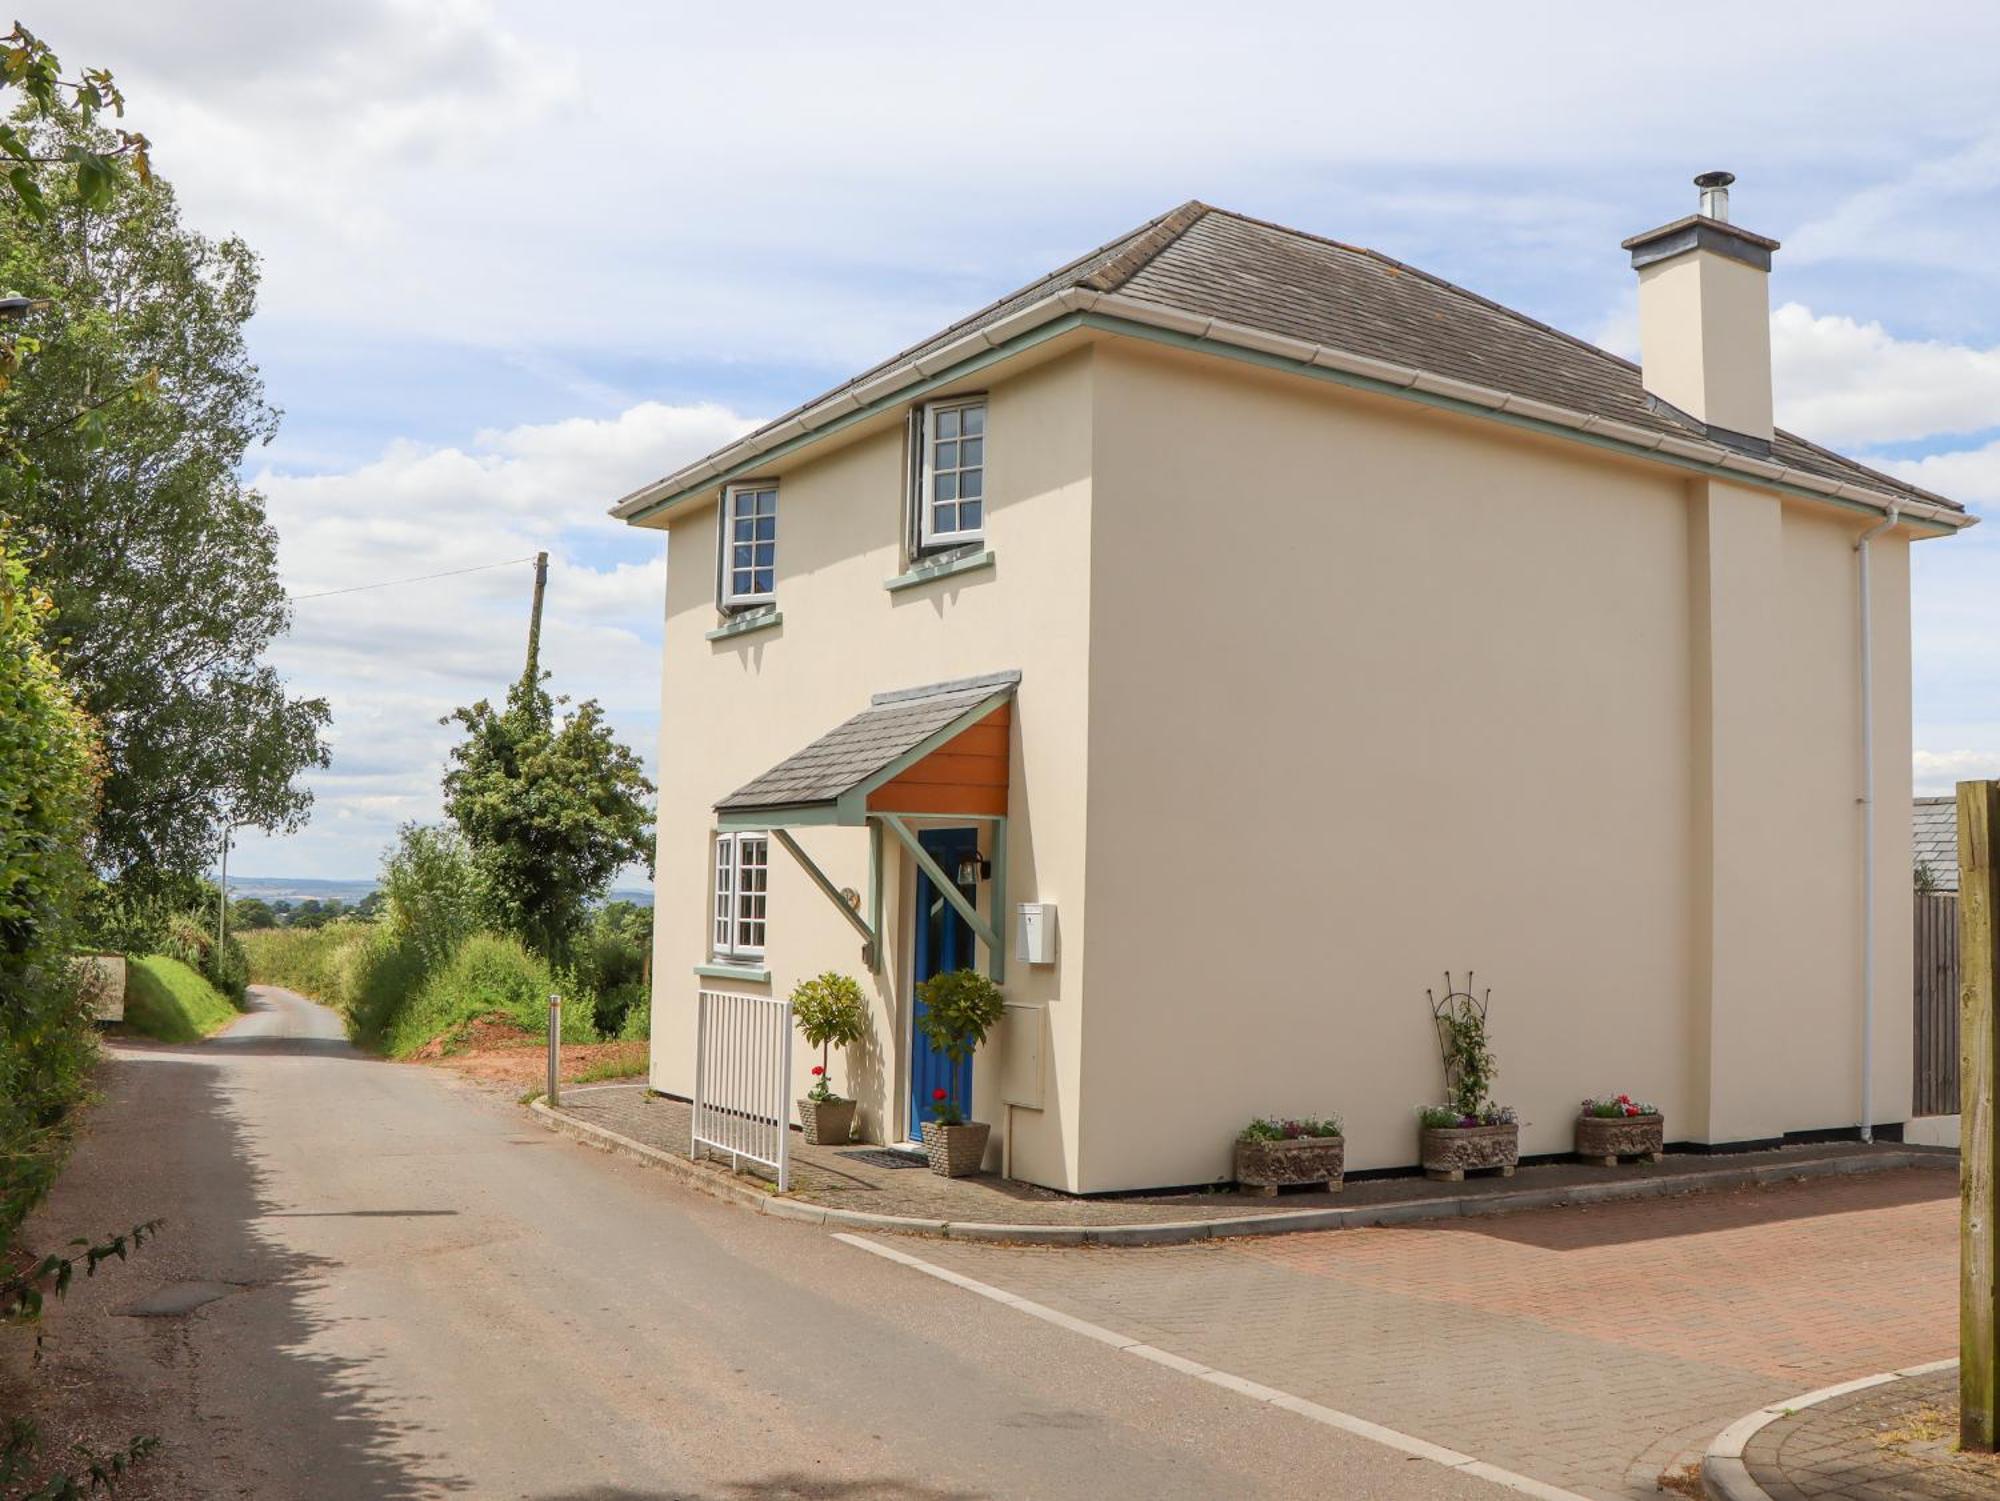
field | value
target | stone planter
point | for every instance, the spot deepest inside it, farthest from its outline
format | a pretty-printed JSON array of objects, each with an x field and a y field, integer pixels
[
  {"x": 1263, "y": 1167},
  {"x": 1450, "y": 1152},
  {"x": 956, "y": 1151},
  {"x": 827, "y": 1123},
  {"x": 1603, "y": 1139}
]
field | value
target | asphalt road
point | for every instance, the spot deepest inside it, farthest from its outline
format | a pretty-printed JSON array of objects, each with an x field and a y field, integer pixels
[{"x": 429, "y": 1295}]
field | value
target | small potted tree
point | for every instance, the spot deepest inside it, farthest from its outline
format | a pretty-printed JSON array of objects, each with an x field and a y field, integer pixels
[
  {"x": 829, "y": 1012},
  {"x": 1272, "y": 1152},
  {"x": 960, "y": 1007},
  {"x": 1620, "y": 1126},
  {"x": 1468, "y": 1132}
]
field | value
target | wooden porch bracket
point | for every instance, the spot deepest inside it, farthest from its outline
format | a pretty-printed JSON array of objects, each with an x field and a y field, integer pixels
[
  {"x": 947, "y": 887},
  {"x": 871, "y": 946}
]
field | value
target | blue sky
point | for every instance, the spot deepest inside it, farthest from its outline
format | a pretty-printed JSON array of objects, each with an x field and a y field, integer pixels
[{"x": 519, "y": 259}]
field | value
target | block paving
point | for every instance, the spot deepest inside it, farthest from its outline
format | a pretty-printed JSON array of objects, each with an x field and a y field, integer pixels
[
  {"x": 1593, "y": 1348},
  {"x": 1896, "y": 1441}
]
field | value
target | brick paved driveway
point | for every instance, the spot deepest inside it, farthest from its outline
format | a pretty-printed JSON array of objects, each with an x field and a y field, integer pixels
[{"x": 1592, "y": 1348}]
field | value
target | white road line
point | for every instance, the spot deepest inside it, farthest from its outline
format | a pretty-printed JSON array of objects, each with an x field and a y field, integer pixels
[{"x": 1347, "y": 1422}]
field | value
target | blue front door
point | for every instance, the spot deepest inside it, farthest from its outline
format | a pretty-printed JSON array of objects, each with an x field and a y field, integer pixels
[{"x": 944, "y": 942}]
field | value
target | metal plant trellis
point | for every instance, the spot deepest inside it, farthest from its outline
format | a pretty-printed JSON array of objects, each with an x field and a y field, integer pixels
[{"x": 1457, "y": 1011}]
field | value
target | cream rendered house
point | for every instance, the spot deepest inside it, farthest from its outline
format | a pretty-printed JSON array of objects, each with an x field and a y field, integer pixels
[{"x": 1282, "y": 625}]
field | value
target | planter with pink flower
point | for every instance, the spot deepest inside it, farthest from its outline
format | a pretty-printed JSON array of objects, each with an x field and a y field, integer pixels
[
  {"x": 829, "y": 1012},
  {"x": 961, "y": 1007},
  {"x": 1620, "y": 1126}
]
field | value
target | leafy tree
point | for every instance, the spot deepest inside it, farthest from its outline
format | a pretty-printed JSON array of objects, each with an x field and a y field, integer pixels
[
  {"x": 552, "y": 810},
  {"x": 162, "y": 565},
  {"x": 369, "y": 907},
  {"x": 313, "y": 913},
  {"x": 248, "y": 913},
  {"x": 431, "y": 891}
]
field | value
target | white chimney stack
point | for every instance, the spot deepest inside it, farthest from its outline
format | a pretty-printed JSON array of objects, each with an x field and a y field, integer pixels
[{"x": 1705, "y": 319}]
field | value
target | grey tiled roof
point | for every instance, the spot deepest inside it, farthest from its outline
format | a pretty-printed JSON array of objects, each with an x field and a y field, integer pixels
[
  {"x": 1206, "y": 261},
  {"x": 1937, "y": 839},
  {"x": 892, "y": 725}
]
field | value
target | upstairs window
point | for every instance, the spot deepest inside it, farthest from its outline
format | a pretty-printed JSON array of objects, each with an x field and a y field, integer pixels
[
  {"x": 749, "y": 563},
  {"x": 742, "y": 864},
  {"x": 951, "y": 505}
]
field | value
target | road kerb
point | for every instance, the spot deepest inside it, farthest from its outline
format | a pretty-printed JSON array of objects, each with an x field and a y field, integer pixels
[
  {"x": 1346, "y": 1422},
  {"x": 1182, "y": 1232},
  {"x": 1726, "y": 1477}
]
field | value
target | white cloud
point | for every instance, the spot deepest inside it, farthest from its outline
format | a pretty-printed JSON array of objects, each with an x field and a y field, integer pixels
[
  {"x": 393, "y": 661},
  {"x": 1938, "y": 772},
  {"x": 1841, "y": 381}
]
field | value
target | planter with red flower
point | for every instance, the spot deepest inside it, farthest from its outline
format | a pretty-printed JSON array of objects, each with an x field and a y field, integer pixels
[
  {"x": 828, "y": 1011},
  {"x": 1273, "y": 1152},
  {"x": 960, "y": 1007},
  {"x": 1620, "y": 1126}
]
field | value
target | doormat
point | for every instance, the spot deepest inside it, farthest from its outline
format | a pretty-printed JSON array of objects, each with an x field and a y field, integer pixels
[{"x": 883, "y": 1157}]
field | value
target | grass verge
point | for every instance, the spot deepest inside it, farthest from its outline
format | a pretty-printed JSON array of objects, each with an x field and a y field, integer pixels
[{"x": 166, "y": 1000}]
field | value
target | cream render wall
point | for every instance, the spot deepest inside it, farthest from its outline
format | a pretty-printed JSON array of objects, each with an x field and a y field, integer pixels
[
  {"x": 1377, "y": 691},
  {"x": 731, "y": 708}
]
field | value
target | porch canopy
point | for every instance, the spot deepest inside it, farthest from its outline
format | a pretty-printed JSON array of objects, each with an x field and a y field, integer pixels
[{"x": 935, "y": 752}]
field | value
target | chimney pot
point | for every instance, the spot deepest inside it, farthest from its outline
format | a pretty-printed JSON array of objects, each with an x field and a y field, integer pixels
[{"x": 1715, "y": 194}]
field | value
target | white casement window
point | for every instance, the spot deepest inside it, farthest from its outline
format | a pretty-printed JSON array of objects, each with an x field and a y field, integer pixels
[
  {"x": 951, "y": 498},
  {"x": 749, "y": 543},
  {"x": 742, "y": 863}
]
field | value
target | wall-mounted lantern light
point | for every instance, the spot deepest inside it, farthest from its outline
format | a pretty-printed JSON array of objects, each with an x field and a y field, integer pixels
[{"x": 974, "y": 868}]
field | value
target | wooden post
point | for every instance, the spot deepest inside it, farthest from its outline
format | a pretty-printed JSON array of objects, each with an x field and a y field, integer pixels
[
  {"x": 535, "y": 618},
  {"x": 1979, "y": 1129}
]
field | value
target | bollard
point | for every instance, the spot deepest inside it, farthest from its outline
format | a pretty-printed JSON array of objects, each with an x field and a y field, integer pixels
[{"x": 555, "y": 1050}]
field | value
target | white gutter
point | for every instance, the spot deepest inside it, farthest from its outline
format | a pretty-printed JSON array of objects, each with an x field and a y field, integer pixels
[
  {"x": 1868, "y": 828},
  {"x": 1670, "y": 446}
]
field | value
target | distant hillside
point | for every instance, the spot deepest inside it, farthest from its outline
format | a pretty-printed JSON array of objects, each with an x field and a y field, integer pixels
[{"x": 297, "y": 889}]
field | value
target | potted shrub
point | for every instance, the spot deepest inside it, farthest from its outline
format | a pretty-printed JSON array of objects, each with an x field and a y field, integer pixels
[
  {"x": 1272, "y": 1152},
  {"x": 960, "y": 1007},
  {"x": 829, "y": 1012},
  {"x": 1620, "y": 1126},
  {"x": 1468, "y": 1132}
]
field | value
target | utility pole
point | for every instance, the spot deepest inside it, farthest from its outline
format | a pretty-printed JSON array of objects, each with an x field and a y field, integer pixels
[
  {"x": 222, "y": 902},
  {"x": 535, "y": 617},
  {"x": 1979, "y": 1130}
]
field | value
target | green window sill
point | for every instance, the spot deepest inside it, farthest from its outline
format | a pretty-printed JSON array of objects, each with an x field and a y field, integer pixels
[
  {"x": 734, "y": 972},
  {"x": 944, "y": 568},
  {"x": 744, "y": 624}
]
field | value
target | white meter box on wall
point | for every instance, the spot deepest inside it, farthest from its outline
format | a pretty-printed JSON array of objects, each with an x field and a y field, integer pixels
[{"x": 1035, "y": 933}]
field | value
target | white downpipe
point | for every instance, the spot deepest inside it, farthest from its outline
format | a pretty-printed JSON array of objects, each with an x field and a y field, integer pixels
[{"x": 1868, "y": 827}]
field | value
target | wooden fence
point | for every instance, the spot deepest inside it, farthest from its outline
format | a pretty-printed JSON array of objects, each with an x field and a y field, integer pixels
[{"x": 1936, "y": 1008}]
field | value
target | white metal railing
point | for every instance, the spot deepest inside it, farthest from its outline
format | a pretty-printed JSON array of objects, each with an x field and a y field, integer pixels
[{"x": 742, "y": 1077}]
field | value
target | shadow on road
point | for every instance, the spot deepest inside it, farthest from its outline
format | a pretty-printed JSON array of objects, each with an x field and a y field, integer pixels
[
  {"x": 791, "y": 1485},
  {"x": 216, "y": 1385}
]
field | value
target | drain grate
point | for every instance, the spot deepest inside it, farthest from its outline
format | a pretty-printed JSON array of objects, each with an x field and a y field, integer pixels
[{"x": 883, "y": 1157}]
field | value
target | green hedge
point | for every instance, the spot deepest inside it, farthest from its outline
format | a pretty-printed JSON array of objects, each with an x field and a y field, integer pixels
[{"x": 166, "y": 999}]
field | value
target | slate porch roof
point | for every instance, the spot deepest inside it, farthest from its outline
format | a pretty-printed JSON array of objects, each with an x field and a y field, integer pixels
[
  {"x": 893, "y": 725},
  {"x": 1211, "y": 263},
  {"x": 1936, "y": 829}
]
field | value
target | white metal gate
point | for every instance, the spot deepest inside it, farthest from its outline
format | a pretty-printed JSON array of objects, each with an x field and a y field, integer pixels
[{"x": 742, "y": 1075}]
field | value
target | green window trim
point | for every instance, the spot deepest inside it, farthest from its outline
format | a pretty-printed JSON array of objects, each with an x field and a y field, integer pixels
[
  {"x": 744, "y": 624},
  {"x": 924, "y": 573},
  {"x": 751, "y": 973}
]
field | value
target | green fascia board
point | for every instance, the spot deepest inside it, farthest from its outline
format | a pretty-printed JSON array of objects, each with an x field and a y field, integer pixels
[
  {"x": 930, "y": 573},
  {"x": 747, "y": 972},
  {"x": 797, "y": 816},
  {"x": 854, "y": 802},
  {"x": 1109, "y": 323},
  {"x": 744, "y": 625},
  {"x": 894, "y": 400}
]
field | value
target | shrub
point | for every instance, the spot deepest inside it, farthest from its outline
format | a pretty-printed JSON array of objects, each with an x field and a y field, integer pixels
[
  {"x": 829, "y": 1012},
  {"x": 190, "y": 938},
  {"x": 1286, "y": 1128},
  {"x": 308, "y": 960},
  {"x": 960, "y": 1007},
  {"x": 430, "y": 891},
  {"x": 638, "y": 1023},
  {"x": 48, "y": 791}
]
